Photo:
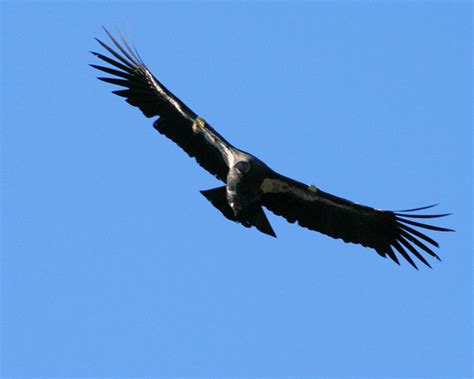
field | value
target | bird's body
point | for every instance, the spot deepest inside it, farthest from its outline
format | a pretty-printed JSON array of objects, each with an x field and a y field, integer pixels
[
  {"x": 241, "y": 190},
  {"x": 250, "y": 184},
  {"x": 243, "y": 184}
]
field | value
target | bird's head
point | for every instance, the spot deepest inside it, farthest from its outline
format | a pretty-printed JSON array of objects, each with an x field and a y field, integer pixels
[{"x": 242, "y": 166}]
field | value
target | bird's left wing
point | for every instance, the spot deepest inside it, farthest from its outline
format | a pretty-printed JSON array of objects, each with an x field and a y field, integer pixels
[
  {"x": 336, "y": 217},
  {"x": 177, "y": 121}
]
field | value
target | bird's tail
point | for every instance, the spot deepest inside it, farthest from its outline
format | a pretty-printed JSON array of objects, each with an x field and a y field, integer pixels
[{"x": 255, "y": 217}]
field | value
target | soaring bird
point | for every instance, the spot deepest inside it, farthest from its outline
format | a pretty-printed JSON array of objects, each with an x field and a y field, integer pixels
[{"x": 251, "y": 184}]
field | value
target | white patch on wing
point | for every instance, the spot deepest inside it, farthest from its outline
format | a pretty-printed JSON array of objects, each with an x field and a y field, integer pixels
[
  {"x": 279, "y": 186},
  {"x": 309, "y": 194},
  {"x": 199, "y": 126}
]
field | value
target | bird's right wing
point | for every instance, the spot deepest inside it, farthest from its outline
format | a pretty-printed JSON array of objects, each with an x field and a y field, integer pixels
[
  {"x": 177, "y": 122},
  {"x": 336, "y": 217}
]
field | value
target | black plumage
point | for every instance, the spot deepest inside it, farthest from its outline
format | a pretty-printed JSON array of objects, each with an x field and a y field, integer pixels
[{"x": 251, "y": 184}]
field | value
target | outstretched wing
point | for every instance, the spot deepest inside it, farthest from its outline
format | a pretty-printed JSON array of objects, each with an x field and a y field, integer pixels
[
  {"x": 381, "y": 230},
  {"x": 177, "y": 121}
]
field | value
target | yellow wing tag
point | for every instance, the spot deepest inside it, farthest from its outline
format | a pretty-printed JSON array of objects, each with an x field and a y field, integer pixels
[
  {"x": 313, "y": 188},
  {"x": 198, "y": 123},
  {"x": 201, "y": 121}
]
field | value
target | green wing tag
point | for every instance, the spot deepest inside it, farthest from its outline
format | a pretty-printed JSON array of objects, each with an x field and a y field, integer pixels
[{"x": 313, "y": 188}]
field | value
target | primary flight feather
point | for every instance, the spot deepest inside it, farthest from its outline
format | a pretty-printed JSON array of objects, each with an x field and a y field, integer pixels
[{"x": 251, "y": 184}]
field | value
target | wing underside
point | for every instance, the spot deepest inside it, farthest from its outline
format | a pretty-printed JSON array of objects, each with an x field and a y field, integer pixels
[{"x": 387, "y": 232}]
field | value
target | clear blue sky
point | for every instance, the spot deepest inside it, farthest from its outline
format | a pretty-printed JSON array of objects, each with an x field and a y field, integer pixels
[{"x": 113, "y": 264}]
